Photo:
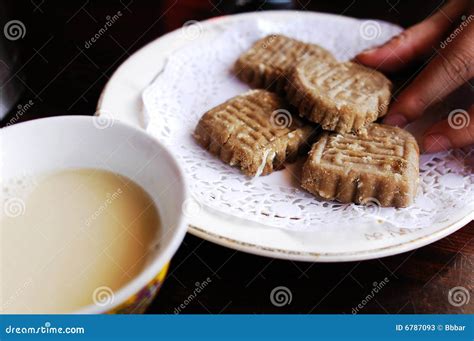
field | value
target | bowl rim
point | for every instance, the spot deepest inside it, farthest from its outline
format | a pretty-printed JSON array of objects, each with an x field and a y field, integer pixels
[{"x": 165, "y": 253}]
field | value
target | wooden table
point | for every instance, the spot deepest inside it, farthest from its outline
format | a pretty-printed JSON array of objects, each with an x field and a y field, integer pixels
[
  {"x": 417, "y": 281},
  {"x": 63, "y": 76}
]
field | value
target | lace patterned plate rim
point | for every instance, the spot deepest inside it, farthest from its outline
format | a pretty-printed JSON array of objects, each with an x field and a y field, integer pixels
[{"x": 361, "y": 242}]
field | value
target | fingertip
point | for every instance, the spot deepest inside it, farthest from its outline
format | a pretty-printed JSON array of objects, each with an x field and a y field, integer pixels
[
  {"x": 369, "y": 57},
  {"x": 397, "y": 120},
  {"x": 367, "y": 53},
  {"x": 433, "y": 143},
  {"x": 380, "y": 59}
]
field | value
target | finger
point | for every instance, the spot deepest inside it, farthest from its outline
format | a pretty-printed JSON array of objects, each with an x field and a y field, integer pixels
[
  {"x": 454, "y": 132},
  {"x": 450, "y": 68},
  {"x": 414, "y": 42}
]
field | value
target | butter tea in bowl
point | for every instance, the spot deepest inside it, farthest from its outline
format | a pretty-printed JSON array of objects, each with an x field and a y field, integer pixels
[{"x": 92, "y": 227}]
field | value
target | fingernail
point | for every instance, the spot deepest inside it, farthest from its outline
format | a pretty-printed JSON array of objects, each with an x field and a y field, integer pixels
[
  {"x": 436, "y": 143},
  {"x": 368, "y": 51},
  {"x": 396, "y": 120}
]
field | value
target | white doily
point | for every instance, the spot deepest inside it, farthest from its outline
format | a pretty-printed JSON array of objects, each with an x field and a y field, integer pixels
[{"x": 197, "y": 78}]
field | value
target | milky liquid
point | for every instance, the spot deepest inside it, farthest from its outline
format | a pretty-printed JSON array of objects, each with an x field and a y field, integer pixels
[{"x": 73, "y": 239}]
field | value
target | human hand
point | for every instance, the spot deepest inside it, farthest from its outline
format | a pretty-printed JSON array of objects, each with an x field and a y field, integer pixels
[{"x": 451, "y": 66}]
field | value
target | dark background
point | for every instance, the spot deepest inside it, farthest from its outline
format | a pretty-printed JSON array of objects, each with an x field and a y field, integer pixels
[{"x": 63, "y": 77}]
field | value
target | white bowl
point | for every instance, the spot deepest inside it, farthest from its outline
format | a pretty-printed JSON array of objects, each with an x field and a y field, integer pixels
[{"x": 96, "y": 142}]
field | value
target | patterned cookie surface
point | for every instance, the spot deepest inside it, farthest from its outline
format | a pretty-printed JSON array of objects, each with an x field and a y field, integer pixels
[
  {"x": 342, "y": 97},
  {"x": 379, "y": 167},
  {"x": 254, "y": 131},
  {"x": 267, "y": 63}
]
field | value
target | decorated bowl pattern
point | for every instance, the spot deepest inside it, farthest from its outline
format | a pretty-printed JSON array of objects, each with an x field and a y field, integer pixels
[{"x": 139, "y": 302}]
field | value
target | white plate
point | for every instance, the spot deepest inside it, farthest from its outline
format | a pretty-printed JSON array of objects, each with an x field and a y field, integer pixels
[{"x": 121, "y": 99}]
